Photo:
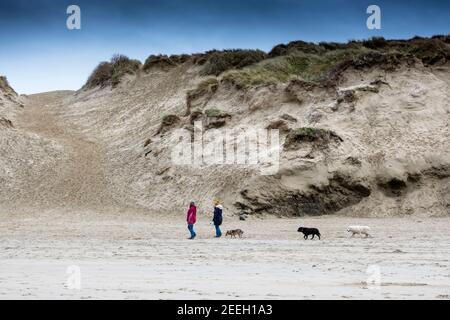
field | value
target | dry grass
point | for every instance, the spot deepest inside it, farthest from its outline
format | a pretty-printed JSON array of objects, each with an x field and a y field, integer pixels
[
  {"x": 111, "y": 73},
  {"x": 310, "y": 67}
]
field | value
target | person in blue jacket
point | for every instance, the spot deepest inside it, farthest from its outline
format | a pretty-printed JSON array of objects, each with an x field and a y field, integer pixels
[{"x": 217, "y": 220}]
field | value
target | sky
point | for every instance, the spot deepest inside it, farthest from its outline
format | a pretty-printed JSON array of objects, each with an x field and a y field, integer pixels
[{"x": 39, "y": 53}]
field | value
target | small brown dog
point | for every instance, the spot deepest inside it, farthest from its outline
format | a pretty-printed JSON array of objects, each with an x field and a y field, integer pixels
[{"x": 233, "y": 233}]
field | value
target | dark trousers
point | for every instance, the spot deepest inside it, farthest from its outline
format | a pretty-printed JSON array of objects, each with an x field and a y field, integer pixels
[
  {"x": 191, "y": 230},
  {"x": 218, "y": 232}
]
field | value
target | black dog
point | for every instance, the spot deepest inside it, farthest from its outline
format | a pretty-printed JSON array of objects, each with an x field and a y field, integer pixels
[{"x": 309, "y": 231}]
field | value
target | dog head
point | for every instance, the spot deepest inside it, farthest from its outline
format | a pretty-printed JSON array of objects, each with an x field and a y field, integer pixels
[
  {"x": 300, "y": 229},
  {"x": 229, "y": 233}
]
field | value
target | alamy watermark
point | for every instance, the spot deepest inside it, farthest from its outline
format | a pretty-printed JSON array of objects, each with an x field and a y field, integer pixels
[
  {"x": 256, "y": 148},
  {"x": 74, "y": 277},
  {"x": 374, "y": 20},
  {"x": 373, "y": 281},
  {"x": 73, "y": 21}
]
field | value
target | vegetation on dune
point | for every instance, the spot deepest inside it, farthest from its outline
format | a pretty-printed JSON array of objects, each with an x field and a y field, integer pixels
[
  {"x": 424, "y": 47},
  {"x": 306, "y": 134},
  {"x": 195, "y": 115},
  {"x": 443, "y": 38},
  {"x": 168, "y": 122},
  {"x": 375, "y": 43},
  {"x": 298, "y": 46},
  {"x": 180, "y": 58},
  {"x": 309, "y": 134},
  {"x": 307, "y": 66},
  {"x": 208, "y": 85},
  {"x": 213, "y": 62},
  {"x": 122, "y": 65},
  {"x": 158, "y": 60},
  {"x": 216, "y": 113},
  {"x": 112, "y": 72},
  {"x": 4, "y": 84},
  {"x": 5, "y": 87},
  {"x": 431, "y": 51},
  {"x": 324, "y": 62},
  {"x": 163, "y": 61},
  {"x": 216, "y": 118},
  {"x": 321, "y": 62},
  {"x": 205, "y": 88},
  {"x": 101, "y": 76},
  {"x": 219, "y": 61}
]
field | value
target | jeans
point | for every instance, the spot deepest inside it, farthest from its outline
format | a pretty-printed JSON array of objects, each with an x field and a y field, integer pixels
[
  {"x": 218, "y": 232},
  {"x": 191, "y": 230}
]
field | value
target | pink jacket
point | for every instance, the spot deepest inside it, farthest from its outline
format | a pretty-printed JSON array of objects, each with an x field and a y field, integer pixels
[{"x": 192, "y": 215}]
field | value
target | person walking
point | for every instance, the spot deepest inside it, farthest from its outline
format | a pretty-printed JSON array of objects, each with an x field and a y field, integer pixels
[
  {"x": 191, "y": 219},
  {"x": 218, "y": 217}
]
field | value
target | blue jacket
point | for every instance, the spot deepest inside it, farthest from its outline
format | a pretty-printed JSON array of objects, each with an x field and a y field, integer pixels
[{"x": 218, "y": 215}]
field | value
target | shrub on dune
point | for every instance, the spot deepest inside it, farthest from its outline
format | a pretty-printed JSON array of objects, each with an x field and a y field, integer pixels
[
  {"x": 220, "y": 61},
  {"x": 112, "y": 72},
  {"x": 122, "y": 65}
]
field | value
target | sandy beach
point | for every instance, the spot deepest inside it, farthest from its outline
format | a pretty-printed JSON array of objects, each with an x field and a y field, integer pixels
[{"x": 143, "y": 256}]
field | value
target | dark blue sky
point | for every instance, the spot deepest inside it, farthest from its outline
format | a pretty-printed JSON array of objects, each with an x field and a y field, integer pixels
[{"x": 38, "y": 53}]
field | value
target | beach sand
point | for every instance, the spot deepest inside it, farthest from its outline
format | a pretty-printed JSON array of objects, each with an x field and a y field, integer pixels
[{"x": 145, "y": 256}]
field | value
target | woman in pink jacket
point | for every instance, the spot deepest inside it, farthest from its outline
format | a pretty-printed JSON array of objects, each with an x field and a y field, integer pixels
[{"x": 191, "y": 219}]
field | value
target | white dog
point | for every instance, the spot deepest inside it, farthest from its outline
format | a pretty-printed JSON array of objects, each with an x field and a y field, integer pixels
[{"x": 359, "y": 230}]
